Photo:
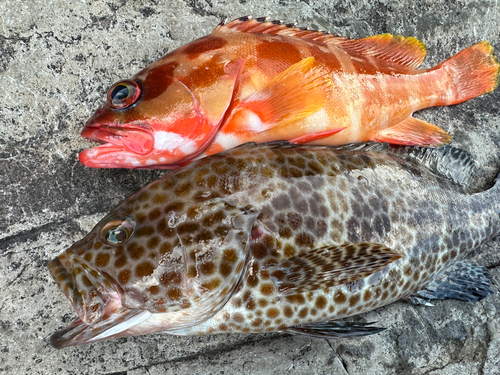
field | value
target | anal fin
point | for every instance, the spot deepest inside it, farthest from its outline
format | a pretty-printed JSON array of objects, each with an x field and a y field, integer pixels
[
  {"x": 413, "y": 132},
  {"x": 334, "y": 330},
  {"x": 462, "y": 281},
  {"x": 330, "y": 266}
]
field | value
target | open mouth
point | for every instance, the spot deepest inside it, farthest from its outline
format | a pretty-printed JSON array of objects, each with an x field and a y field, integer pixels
[
  {"x": 97, "y": 302},
  {"x": 115, "y": 142}
]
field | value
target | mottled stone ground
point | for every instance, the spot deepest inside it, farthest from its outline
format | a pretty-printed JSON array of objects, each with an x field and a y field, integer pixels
[{"x": 57, "y": 58}]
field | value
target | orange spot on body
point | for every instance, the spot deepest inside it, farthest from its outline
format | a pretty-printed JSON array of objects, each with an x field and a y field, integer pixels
[
  {"x": 174, "y": 294},
  {"x": 158, "y": 80},
  {"x": 208, "y": 43},
  {"x": 212, "y": 284}
]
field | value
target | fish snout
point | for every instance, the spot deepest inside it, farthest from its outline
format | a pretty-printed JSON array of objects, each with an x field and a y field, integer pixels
[{"x": 90, "y": 292}]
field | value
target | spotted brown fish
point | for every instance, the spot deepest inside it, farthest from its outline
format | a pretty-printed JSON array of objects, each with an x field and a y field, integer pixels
[{"x": 280, "y": 237}]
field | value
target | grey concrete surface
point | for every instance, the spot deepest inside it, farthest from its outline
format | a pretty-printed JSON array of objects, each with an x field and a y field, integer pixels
[{"x": 57, "y": 59}]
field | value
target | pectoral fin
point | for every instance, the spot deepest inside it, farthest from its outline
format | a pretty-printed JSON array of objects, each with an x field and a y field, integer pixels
[
  {"x": 330, "y": 266},
  {"x": 334, "y": 330},
  {"x": 299, "y": 91},
  {"x": 314, "y": 136},
  {"x": 413, "y": 132}
]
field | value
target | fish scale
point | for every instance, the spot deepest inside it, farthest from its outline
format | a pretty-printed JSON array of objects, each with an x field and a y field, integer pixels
[{"x": 273, "y": 237}]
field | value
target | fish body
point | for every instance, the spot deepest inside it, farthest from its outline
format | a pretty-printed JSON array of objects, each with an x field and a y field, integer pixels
[
  {"x": 261, "y": 81},
  {"x": 277, "y": 237}
]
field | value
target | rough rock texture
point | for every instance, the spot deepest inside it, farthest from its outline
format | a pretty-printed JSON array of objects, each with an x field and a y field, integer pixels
[{"x": 57, "y": 58}]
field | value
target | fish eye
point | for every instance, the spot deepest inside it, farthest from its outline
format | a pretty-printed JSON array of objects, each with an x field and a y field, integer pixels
[
  {"x": 124, "y": 94},
  {"x": 118, "y": 231}
]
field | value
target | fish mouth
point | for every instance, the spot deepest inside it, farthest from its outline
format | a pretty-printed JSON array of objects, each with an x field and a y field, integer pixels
[
  {"x": 97, "y": 301},
  {"x": 120, "y": 145}
]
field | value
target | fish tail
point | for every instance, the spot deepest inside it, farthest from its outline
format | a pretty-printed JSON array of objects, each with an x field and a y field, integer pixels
[{"x": 474, "y": 71}]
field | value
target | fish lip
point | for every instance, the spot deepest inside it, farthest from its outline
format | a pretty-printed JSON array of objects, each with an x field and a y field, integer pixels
[
  {"x": 112, "y": 326},
  {"x": 118, "y": 145},
  {"x": 132, "y": 138},
  {"x": 60, "y": 340},
  {"x": 103, "y": 289},
  {"x": 100, "y": 327}
]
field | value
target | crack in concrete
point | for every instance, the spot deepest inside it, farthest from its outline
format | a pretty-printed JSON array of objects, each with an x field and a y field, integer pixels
[
  {"x": 33, "y": 233},
  {"x": 16, "y": 277},
  {"x": 199, "y": 9},
  {"x": 341, "y": 360},
  {"x": 489, "y": 336},
  {"x": 442, "y": 367}
]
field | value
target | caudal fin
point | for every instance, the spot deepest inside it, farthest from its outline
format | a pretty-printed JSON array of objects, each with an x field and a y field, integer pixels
[{"x": 474, "y": 70}]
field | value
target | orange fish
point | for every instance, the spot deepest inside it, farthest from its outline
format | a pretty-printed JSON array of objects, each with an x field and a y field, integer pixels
[{"x": 257, "y": 80}]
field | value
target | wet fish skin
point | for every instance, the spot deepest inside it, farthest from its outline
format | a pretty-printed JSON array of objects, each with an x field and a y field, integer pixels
[
  {"x": 259, "y": 80},
  {"x": 209, "y": 250}
]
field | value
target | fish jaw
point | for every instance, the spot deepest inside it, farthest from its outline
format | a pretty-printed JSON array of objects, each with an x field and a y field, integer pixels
[
  {"x": 118, "y": 324},
  {"x": 169, "y": 150},
  {"x": 118, "y": 142},
  {"x": 97, "y": 301},
  {"x": 92, "y": 294},
  {"x": 142, "y": 145}
]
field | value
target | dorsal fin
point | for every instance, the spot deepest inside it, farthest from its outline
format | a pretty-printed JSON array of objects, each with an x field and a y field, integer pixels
[
  {"x": 397, "y": 49},
  {"x": 449, "y": 162}
]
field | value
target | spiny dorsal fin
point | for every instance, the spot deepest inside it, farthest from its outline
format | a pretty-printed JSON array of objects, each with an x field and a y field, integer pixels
[
  {"x": 397, "y": 49},
  {"x": 263, "y": 26}
]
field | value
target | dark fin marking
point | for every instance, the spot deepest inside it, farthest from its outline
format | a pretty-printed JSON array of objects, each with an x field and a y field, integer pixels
[
  {"x": 462, "y": 281},
  {"x": 330, "y": 266},
  {"x": 334, "y": 330},
  {"x": 397, "y": 49},
  {"x": 413, "y": 132}
]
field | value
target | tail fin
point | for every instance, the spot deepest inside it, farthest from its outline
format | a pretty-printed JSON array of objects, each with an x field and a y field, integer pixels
[{"x": 474, "y": 70}]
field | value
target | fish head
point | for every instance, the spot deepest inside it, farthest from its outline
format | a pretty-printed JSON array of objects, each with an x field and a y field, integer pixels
[
  {"x": 164, "y": 115},
  {"x": 149, "y": 267}
]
